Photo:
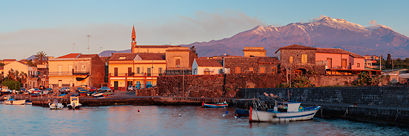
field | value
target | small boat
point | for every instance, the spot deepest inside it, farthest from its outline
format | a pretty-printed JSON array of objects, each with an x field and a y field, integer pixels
[
  {"x": 286, "y": 112},
  {"x": 74, "y": 103},
  {"x": 216, "y": 105},
  {"x": 62, "y": 95},
  {"x": 55, "y": 105},
  {"x": 12, "y": 101},
  {"x": 241, "y": 112}
]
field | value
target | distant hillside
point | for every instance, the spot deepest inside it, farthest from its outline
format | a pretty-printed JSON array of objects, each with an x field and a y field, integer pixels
[
  {"x": 326, "y": 33},
  {"x": 108, "y": 53}
]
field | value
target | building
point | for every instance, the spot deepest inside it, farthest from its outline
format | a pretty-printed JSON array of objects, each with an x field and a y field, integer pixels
[
  {"x": 370, "y": 61},
  {"x": 254, "y": 52},
  {"x": 206, "y": 66},
  {"x": 76, "y": 69},
  {"x": 238, "y": 65},
  {"x": 31, "y": 72},
  {"x": 146, "y": 48},
  {"x": 135, "y": 69},
  {"x": 179, "y": 60},
  {"x": 7, "y": 61},
  {"x": 301, "y": 59}
]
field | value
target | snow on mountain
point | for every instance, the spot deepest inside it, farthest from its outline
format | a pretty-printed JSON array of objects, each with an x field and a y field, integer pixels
[{"x": 323, "y": 32}]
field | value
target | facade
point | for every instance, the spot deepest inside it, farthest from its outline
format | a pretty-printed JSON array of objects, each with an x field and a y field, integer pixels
[
  {"x": 179, "y": 61},
  {"x": 7, "y": 61},
  {"x": 76, "y": 69},
  {"x": 32, "y": 73},
  {"x": 146, "y": 48},
  {"x": 254, "y": 52},
  {"x": 205, "y": 66},
  {"x": 135, "y": 69},
  {"x": 238, "y": 65},
  {"x": 300, "y": 59}
]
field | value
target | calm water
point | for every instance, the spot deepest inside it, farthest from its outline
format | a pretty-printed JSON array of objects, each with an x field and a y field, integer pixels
[{"x": 165, "y": 120}]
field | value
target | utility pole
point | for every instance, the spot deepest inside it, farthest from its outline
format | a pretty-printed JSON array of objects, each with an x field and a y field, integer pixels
[{"x": 88, "y": 42}]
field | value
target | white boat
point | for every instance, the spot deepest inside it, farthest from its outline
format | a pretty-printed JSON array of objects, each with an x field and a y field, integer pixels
[
  {"x": 12, "y": 101},
  {"x": 288, "y": 111},
  {"x": 74, "y": 103},
  {"x": 55, "y": 105}
]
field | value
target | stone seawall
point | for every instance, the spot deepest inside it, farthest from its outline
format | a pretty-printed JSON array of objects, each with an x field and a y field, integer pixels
[{"x": 374, "y": 104}]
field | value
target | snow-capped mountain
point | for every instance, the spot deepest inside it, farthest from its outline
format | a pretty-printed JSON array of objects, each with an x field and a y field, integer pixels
[{"x": 324, "y": 32}]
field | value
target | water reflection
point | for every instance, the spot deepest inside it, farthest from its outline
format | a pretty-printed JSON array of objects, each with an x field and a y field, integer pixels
[{"x": 165, "y": 120}]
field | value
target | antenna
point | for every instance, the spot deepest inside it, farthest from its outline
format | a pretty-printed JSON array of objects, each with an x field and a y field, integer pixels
[
  {"x": 73, "y": 44},
  {"x": 88, "y": 42}
]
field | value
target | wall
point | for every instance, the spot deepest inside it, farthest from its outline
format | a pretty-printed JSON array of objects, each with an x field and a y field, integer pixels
[
  {"x": 355, "y": 62},
  {"x": 336, "y": 59},
  {"x": 97, "y": 73},
  {"x": 388, "y": 96},
  {"x": 331, "y": 80}
]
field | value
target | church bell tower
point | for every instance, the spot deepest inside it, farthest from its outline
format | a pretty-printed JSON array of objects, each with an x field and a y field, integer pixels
[{"x": 133, "y": 44}]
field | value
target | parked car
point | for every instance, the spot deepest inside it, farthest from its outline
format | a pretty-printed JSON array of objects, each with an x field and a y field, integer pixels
[
  {"x": 34, "y": 90},
  {"x": 41, "y": 87},
  {"x": 104, "y": 89},
  {"x": 22, "y": 89},
  {"x": 131, "y": 88},
  {"x": 81, "y": 89},
  {"x": 64, "y": 90},
  {"x": 93, "y": 89},
  {"x": 50, "y": 90}
]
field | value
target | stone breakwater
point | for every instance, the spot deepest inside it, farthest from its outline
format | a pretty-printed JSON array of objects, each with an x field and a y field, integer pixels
[{"x": 373, "y": 104}]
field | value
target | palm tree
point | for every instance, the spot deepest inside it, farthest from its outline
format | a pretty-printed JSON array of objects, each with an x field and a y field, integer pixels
[
  {"x": 23, "y": 77},
  {"x": 41, "y": 58},
  {"x": 16, "y": 75},
  {"x": 10, "y": 75}
]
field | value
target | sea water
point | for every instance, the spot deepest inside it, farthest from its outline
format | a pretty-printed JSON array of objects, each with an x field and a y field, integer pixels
[{"x": 168, "y": 120}]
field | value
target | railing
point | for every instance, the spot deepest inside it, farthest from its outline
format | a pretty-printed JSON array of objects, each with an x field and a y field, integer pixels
[
  {"x": 130, "y": 75},
  {"x": 61, "y": 73},
  {"x": 78, "y": 72}
]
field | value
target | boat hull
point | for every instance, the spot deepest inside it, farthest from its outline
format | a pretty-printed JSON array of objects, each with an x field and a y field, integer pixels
[
  {"x": 15, "y": 102},
  {"x": 242, "y": 112},
  {"x": 76, "y": 107},
  {"x": 58, "y": 106},
  {"x": 206, "y": 105},
  {"x": 267, "y": 116}
]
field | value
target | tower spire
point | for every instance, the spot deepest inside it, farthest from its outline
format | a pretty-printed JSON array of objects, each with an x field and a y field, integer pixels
[{"x": 133, "y": 44}]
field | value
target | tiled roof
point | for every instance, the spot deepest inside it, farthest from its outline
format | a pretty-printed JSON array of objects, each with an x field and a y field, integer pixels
[
  {"x": 154, "y": 46},
  {"x": 122, "y": 56},
  {"x": 267, "y": 60},
  {"x": 152, "y": 56},
  {"x": 296, "y": 46},
  {"x": 71, "y": 55},
  {"x": 104, "y": 59},
  {"x": 9, "y": 60},
  {"x": 87, "y": 55},
  {"x": 204, "y": 62},
  {"x": 337, "y": 51}
]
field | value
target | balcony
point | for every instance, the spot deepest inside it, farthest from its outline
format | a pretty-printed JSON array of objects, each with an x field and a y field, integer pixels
[
  {"x": 80, "y": 72},
  {"x": 61, "y": 73}
]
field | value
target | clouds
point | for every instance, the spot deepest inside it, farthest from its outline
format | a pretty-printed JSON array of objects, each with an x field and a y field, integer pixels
[
  {"x": 57, "y": 41},
  {"x": 373, "y": 25}
]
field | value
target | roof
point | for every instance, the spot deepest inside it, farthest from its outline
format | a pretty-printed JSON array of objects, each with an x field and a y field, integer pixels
[
  {"x": 71, "y": 55},
  {"x": 296, "y": 47},
  {"x": 87, "y": 55},
  {"x": 337, "y": 51},
  {"x": 9, "y": 60},
  {"x": 152, "y": 56},
  {"x": 204, "y": 62},
  {"x": 122, "y": 56},
  {"x": 155, "y": 46},
  {"x": 267, "y": 60},
  {"x": 104, "y": 59}
]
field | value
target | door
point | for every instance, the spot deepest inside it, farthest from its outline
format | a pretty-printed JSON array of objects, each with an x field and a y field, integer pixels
[
  {"x": 344, "y": 63},
  {"x": 59, "y": 83},
  {"x": 329, "y": 63},
  {"x": 115, "y": 85}
]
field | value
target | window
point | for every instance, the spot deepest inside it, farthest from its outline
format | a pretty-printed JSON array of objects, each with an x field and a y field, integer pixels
[
  {"x": 122, "y": 58},
  {"x": 262, "y": 69},
  {"x": 177, "y": 63},
  {"x": 329, "y": 63},
  {"x": 160, "y": 70},
  {"x": 59, "y": 70},
  {"x": 291, "y": 59},
  {"x": 149, "y": 72},
  {"x": 274, "y": 69},
  {"x": 115, "y": 71},
  {"x": 344, "y": 63},
  {"x": 304, "y": 58},
  {"x": 358, "y": 65},
  {"x": 138, "y": 70},
  {"x": 237, "y": 70},
  {"x": 206, "y": 71},
  {"x": 130, "y": 71}
]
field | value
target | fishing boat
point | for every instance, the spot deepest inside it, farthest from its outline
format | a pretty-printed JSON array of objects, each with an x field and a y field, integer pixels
[
  {"x": 55, "y": 105},
  {"x": 282, "y": 112},
  {"x": 241, "y": 112},
  {"x": 74, "y": 103},
  {"x": 12, "y": 101},
  {"x": 214, "y": 105},
  {"x": 288, "y": 111}
]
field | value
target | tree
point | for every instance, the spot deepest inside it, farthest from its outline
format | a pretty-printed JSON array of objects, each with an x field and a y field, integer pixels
[
  {"x": 388, "y": 62},
  {"x": 23, "y": 77},
  {"x": 193, "y": 49},
  {"x": 41, "y": 58},
  {"x": 1, "y": 64},
  {"x": 12, "y": 85},
  {"x": 365, "y": 79}
]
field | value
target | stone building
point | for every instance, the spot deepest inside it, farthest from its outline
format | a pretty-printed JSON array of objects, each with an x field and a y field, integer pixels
[
  {"x": 237, "y": 65},
  {"x": 206, "y": 66},
  {"x": 179, "y": 61}
]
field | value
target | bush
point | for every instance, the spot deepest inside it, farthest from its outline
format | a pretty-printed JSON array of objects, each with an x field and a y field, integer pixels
[{"x": 12, "y": 85}]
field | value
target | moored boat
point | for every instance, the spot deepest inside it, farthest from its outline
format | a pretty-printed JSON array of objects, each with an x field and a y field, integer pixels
[
  {"x": 12, "y": 101},
  {"x": 288, "y": 111},
  {"x": 215, "y": 105},
  {"x": 74, "y": 103},
  {"x": 55, "y": 105},
  {"x": 241, "y": 112}
]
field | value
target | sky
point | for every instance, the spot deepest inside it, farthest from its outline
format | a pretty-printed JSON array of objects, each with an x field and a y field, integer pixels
[{"x": 62, "y": 27}]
